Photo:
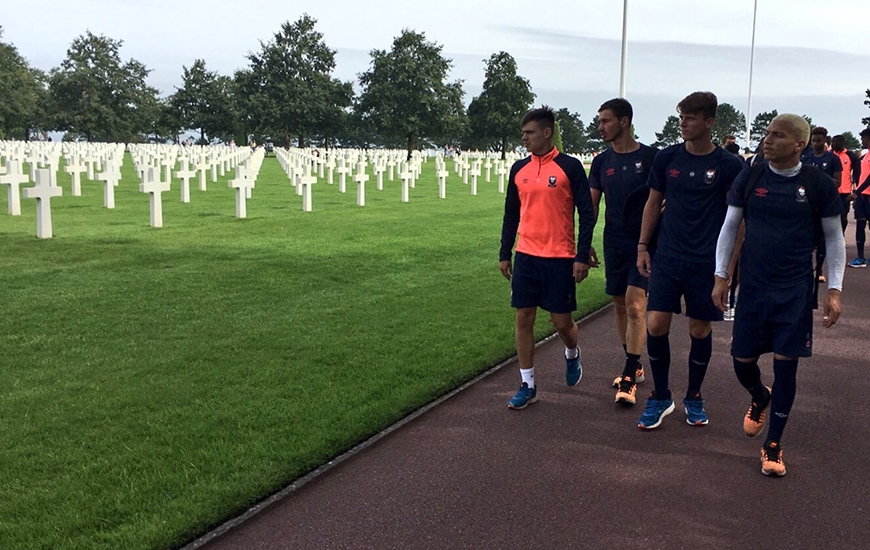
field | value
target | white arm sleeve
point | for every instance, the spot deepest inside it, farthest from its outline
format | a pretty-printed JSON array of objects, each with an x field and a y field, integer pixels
[
  {"x": 836, "y": 245},
  {"x": 727, "y": 237}
]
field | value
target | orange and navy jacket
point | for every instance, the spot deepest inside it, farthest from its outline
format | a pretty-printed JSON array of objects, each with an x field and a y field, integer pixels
[
  {"x": 851, "y": 170},
  {"x": 542, "y": 194},
  {"x": 864, "y": 188}
]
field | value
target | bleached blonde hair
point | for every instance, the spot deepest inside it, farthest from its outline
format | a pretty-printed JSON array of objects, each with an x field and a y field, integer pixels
[{"x": 798, "y": 123}]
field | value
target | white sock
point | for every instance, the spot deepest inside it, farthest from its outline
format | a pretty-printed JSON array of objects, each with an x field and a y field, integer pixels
[
  {"x": 572, "y": 353},
  {"x": 528, "y": 376}
]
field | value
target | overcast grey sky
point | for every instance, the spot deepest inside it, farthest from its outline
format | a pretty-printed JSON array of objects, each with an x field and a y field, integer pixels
[{"x": 811, "y": 58}]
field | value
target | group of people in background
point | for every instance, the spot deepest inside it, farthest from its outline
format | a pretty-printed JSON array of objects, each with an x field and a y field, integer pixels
[{"x": 680, "y": 224}]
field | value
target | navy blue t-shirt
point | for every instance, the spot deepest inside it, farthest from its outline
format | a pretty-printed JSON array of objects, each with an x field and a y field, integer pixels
[
  {"x": 616, "y": 175},
  {"x": 695, "y": 188},
  {"x": 780, "y": 227},
  {"x": 829, "y": 163}
]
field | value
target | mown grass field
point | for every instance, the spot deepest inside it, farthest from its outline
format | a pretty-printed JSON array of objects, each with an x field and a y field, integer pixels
[{"x": 154, "y": 382}]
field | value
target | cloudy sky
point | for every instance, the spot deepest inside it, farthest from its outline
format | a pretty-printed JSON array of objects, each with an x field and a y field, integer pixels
[{"x": 811, "y": 58}]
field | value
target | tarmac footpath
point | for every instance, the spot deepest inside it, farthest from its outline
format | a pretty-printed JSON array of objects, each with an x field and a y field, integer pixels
[{"x": 574, "y": 471}]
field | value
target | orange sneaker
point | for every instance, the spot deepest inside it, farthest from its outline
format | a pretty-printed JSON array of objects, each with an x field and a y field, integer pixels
[
  {"x": 627, "y": 392},
  {"x": 638, "y": 377},
  {"x": 753, "y": 422},
  {"x": 771, "y": 460}
]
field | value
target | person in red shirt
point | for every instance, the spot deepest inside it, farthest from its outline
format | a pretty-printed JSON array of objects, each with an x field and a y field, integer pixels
[
  {"x": 851, "y": 172},
  {"x": 544, "y": 191},
  {"x": 861, "y": 199}
]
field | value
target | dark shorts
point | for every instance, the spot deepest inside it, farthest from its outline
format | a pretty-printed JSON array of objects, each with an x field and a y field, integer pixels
[
  {"x": 862, "y": 207},
  {"x": 774, "y": 320},
  {"x": 672, "y": 279},
  {"x": 620, "y": 267},
  {"x": 547, "y": 283}
]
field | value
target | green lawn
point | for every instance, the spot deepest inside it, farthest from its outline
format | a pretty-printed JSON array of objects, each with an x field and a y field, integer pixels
[{"x": 157, "y": 381}]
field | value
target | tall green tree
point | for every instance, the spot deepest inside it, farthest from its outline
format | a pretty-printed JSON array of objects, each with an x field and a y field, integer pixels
[
  {"x": 574, "y": 138},
  {"x": 593, "y": 136},
  {"x": 670, "y": 134},
  {"x": 494, "y": 116},
  {"x": 760, "y": 124},
  {"x": 289, "y": 88},
  {"x": 96, "y": 95},
  {"x": 852, "y": 141},
  {"x": 405, "y": 96},
  {"x": 866, "y": 121},
  {"x": 23, "y": 92},
  {"x": 204, "y": 102},
  {"x": 729, "y": 121}
]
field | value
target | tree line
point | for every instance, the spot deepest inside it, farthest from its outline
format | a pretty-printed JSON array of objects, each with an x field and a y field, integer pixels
[{"x": 287, "y": 94}]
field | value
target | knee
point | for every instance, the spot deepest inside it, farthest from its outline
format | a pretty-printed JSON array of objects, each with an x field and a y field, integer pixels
[
  {"x": 636, "y": 311},
  {"x": 525, "y": 321},
  {"x": 563, "y": 323},
  {"x": 700, "y": 331}
]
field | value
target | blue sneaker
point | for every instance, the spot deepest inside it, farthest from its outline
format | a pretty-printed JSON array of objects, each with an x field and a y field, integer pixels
[
  {"x": 656, "y": 410},
  {"x": 858, "y": 262},
  {"x": 573, "y": 370},
  {"x": 525, "y": 396},
  {"x": 695, "y": 413}
]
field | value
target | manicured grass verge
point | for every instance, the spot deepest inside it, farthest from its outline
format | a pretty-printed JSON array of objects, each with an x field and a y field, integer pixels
[{"x": 157, "y": 381}]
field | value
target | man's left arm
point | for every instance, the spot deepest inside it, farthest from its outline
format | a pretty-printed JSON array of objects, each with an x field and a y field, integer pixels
[
  {"x": 836, "y": 260},
  {"x": 583, "y": 204}
]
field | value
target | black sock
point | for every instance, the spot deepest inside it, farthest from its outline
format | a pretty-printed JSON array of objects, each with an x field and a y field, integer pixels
[
  {"x": 632, "y": 361},
  {"x": 749, "y": 376},
  {"x": 859, "y": 236},
  {"x": 699, "y": 358},
  {"x": 659, "y": 351},
  {"x": 784, "y": 389}
]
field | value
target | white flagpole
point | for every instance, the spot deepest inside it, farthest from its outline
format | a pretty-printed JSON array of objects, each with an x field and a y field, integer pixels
[
  {"x": 624, "y": 48},
  {"x": 751, "y": 63}
]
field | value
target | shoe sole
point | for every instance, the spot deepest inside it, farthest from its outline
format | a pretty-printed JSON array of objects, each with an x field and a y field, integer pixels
[
  {"x": 625, "y": 401},
  {"x": 857, "y": 266},
  {"x": 529, "y": 402},
  {"x": 772, "y": 473},
  {"x": 666, "y": 412},
  {"x": 570, "y": 385}
]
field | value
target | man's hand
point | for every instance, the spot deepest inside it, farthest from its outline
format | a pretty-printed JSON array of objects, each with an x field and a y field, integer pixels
[
  {"x": 581, "y": 271},
  {"x": 506, "y": 269},
  {"x": 720, "y": 293},
  {"x": 852, "y": 196},
  {"x": 593, "y": 257},
  {"x": 644, "y": 263},
  {"x": 833, "y": 309}
]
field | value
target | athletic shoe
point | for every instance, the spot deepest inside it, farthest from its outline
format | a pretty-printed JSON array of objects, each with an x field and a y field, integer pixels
[
  {"x": 858, "y": 262},
  {"x": 573, "y": 370},
  {"x": 525, "y": 396},
  {"x": 771, "y": 460},
  {"x": 753, "y": 422},
  {"x": 695, "y": 413},
  {"x": 626, "y": 394},
  {"x": 638, "y": 377},
  {"x": 656, "y": 410}
]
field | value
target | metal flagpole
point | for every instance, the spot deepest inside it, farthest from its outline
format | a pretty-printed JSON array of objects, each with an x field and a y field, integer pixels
[
  {"x": 624, "y": 48},
  {"x": 751, "y": 63}
]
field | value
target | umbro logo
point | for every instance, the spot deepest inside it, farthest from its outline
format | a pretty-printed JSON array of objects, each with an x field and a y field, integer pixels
[
  {"x": 610, "y": 172},
  {"x": 673, "y": 173},
  {"x": 760, "y": 192}
]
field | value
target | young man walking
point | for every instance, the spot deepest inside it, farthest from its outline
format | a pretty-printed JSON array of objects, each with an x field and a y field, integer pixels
[
  {"x": 782, "y": 203},
  {"x": 617, "y": 173},
  {"x": 861, "y": 201},
  {"x": 693, "y": 179},
  {"x": 830, "y": 164},
  {"x": 544, "y": 191},
  {"x": 849, "y": 177}
]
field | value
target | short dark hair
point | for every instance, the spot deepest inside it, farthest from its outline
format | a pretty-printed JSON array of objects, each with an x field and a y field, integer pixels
[
  {"x": 544, "y": 116},
  {"x": 730, "y": 136},
  {"x": 704, "y": 103},
  {"x": 819, "y": 131},
  {"x": 620, "y": 107},
  {"x": 865, "y": 132}
]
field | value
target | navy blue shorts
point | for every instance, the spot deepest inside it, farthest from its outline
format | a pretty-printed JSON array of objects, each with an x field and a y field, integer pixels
[
  {"x": 774, "y": 320},
  {"x": 862, "y": 207},
  {"x": 672, "y": 279},
  {"x": 547, "y": 283},
  {"x": 845, "y": 203},
  {"x": 620, "y": 267}
]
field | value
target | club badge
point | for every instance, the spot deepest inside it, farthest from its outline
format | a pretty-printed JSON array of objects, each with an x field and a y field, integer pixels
[
  {"x": 552, "y": 181},
  {"x": 801, "y": 194},
  {"x": 638, "y": 167},
  {"x": 710, "y": 176}
]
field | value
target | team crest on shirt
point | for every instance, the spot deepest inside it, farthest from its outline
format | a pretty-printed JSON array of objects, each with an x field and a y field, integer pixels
[
  {"x": 552, "y": 181},
  {"x": 638, "y": 167},
  {"x": 710, "y": 176},
  {"x": 824, "y": 165},
  {"x": 801, "y": 194},
  {"x": 610, "y": 172}
]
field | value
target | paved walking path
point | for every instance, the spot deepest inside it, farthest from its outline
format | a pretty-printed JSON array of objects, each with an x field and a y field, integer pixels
[{"x": 574, "y": 471}]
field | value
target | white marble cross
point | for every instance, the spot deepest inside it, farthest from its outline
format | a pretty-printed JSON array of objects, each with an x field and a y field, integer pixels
[
  {"x": 500, "y": 170},
  {"x": 379, "y": 170},
  {"x": 442, "y": 182},
  {"x": 406, "y": 183},
  {"x": 361, "y": 178},
  {"x": 201, "y": 167},
  {"x": 185, "y": 174},
  {"x": 43, "y": 192},
  {"x": 155, "y": 188},
  {"x": 305, "y": 181},
  {"x": 475, "y": 173},
  {"x": 342, "y": 176},
  {"x": 241, "y": 184},
  {"x": 14, "y": 177},
  {"x": 110, "y": 180},
  {"x": 488, "y": 167},
  {"x": 75, "y": 170}
]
